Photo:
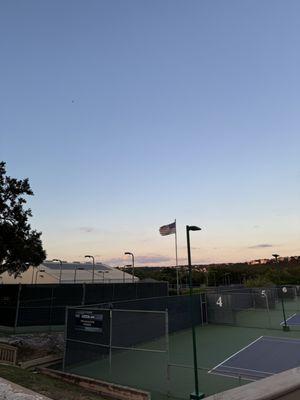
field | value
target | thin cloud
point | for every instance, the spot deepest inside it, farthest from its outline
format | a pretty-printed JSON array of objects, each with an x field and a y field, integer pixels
[
  {"x": 261, "y": 246},
  {"x": 116, "y": 260},
  {"x": 151, "y": 259},
  {"x": 87, "y": 229}
]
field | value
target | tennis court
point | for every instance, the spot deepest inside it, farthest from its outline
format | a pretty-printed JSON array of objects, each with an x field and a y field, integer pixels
[
  {"x": 172, "y": 375},
  {"x": 261, "y": 358},
  {"x": 293, "y": 320},
  {"x": 239, "y": 338}
]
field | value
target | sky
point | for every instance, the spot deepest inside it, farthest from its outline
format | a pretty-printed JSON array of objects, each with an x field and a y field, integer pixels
[{"x": 126, "y": 115}]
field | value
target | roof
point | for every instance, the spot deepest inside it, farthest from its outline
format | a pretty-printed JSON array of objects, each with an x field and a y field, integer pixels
[{"x": 75, "y": 272}]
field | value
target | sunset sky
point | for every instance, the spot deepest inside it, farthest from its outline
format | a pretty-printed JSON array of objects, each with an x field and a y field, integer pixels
[{"x": 128, "y": 114}]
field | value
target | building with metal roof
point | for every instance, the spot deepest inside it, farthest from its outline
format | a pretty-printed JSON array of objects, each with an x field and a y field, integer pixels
[{"x": 69, "y": 272}]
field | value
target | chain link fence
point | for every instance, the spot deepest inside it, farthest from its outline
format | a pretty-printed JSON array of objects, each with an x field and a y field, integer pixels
[{"x": 43, "y": 306}]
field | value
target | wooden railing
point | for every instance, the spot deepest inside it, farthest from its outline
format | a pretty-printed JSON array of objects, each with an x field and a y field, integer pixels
[{"x": 8, "y": 354}]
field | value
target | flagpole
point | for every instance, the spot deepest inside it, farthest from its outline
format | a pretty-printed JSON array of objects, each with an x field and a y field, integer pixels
[{"x": 176, "y": 255}]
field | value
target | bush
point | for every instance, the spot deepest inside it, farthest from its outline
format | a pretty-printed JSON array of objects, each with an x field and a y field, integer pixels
[{"x": 260, "y": 281}]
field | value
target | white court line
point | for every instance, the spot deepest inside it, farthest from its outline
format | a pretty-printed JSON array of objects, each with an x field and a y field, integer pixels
[
  {"x": 247, "y": 369},
  {"x": 234, "y": 376},
  {"x": 281, "y": 339},
  {"x": 244, "y": 348},
  {"x": 292, "y": 316}
]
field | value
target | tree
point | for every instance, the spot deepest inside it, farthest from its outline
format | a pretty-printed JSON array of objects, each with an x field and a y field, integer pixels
[{"x": 20, "y": 246}]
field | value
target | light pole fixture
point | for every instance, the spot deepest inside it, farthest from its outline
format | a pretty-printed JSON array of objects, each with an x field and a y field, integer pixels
[
  {"x": 128, "y": 253},
  {"x": 196, "y": 395},
  {"x": 92, "y": 257},
  {"x": 60, "y": 271},
  {"x": 276, "y": 257}
]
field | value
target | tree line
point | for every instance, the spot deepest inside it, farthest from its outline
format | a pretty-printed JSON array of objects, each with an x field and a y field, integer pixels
[{"x": 269, "y": 274}]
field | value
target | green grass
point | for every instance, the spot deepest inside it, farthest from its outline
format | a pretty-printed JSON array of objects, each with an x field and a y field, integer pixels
[{"x": 50, "y": 387}]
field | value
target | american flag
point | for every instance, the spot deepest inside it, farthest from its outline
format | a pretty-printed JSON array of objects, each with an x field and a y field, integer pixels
[{"x": 168, "y": 229}]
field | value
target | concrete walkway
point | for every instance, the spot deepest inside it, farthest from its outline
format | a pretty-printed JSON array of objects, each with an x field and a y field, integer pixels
[{"x": 11, "y": 391}]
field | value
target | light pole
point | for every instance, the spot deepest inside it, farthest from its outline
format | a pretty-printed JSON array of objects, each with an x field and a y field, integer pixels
[
  {"x": 227, "y": 281},
  {"x": 276, "y": 257},
  {"x": 196, "y": 395},
  {"x": 104, "y": 272},
  {"x": 92, "y": 257},
  {"x": 32, "y": 278},
  {"x": 128, "y": 253},
  {"x": 36, "y": 274},
  {"x": 60, "y": 271},
  {"x": 75, "y": 272},
  {"x": 213, "y": 272},
  {"x": 124, "y": 269}
]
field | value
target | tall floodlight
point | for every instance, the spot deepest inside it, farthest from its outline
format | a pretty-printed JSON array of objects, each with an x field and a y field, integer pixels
[
  {"x": 93, "y": 277},
  {"x": 128, "y": 253},
  {"x": 60, "y": 270},
  {"x": 196, "y": 395}
]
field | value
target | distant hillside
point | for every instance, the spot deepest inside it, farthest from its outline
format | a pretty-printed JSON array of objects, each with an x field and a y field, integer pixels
[{"x": 265, "y": 272}]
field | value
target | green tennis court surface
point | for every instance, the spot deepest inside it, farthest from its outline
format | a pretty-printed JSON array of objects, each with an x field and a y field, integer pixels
[
  {"x": 147, "y": 344},
  {"x": 172, "y": 374}
]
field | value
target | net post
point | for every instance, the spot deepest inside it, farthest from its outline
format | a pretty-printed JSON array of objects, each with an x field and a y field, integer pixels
[{"x": 285, "y": 326}]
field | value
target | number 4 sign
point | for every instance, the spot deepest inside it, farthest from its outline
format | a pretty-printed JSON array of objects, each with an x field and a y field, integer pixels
[{"x": 219, "y": 302}]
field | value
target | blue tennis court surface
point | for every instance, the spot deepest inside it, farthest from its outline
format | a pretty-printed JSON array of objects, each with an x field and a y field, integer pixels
[
  {"x": 263, "y": 357},
  {"x": 293, "y": 320}
]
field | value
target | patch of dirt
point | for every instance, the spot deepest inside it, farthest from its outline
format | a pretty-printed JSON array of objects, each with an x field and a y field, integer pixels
[{"x": 31, "y": 346}]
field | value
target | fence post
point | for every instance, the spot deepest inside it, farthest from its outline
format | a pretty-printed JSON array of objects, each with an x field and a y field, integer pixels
[
  {"x": 167, "y": 349},
  {"x": 65, "y": 339},
  {"x": 268, "y": 308},
  {"x": 83, "y": 294},
  {"x": 110, "y": 339},
  {"x": 51, "y": 309},
  {"x": 17, "y": 309}
]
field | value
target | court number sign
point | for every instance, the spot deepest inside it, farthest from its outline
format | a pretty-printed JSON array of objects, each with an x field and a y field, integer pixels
[
  {"x": 284, "y": 289},
  {"x": 219, "y": 302}
]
